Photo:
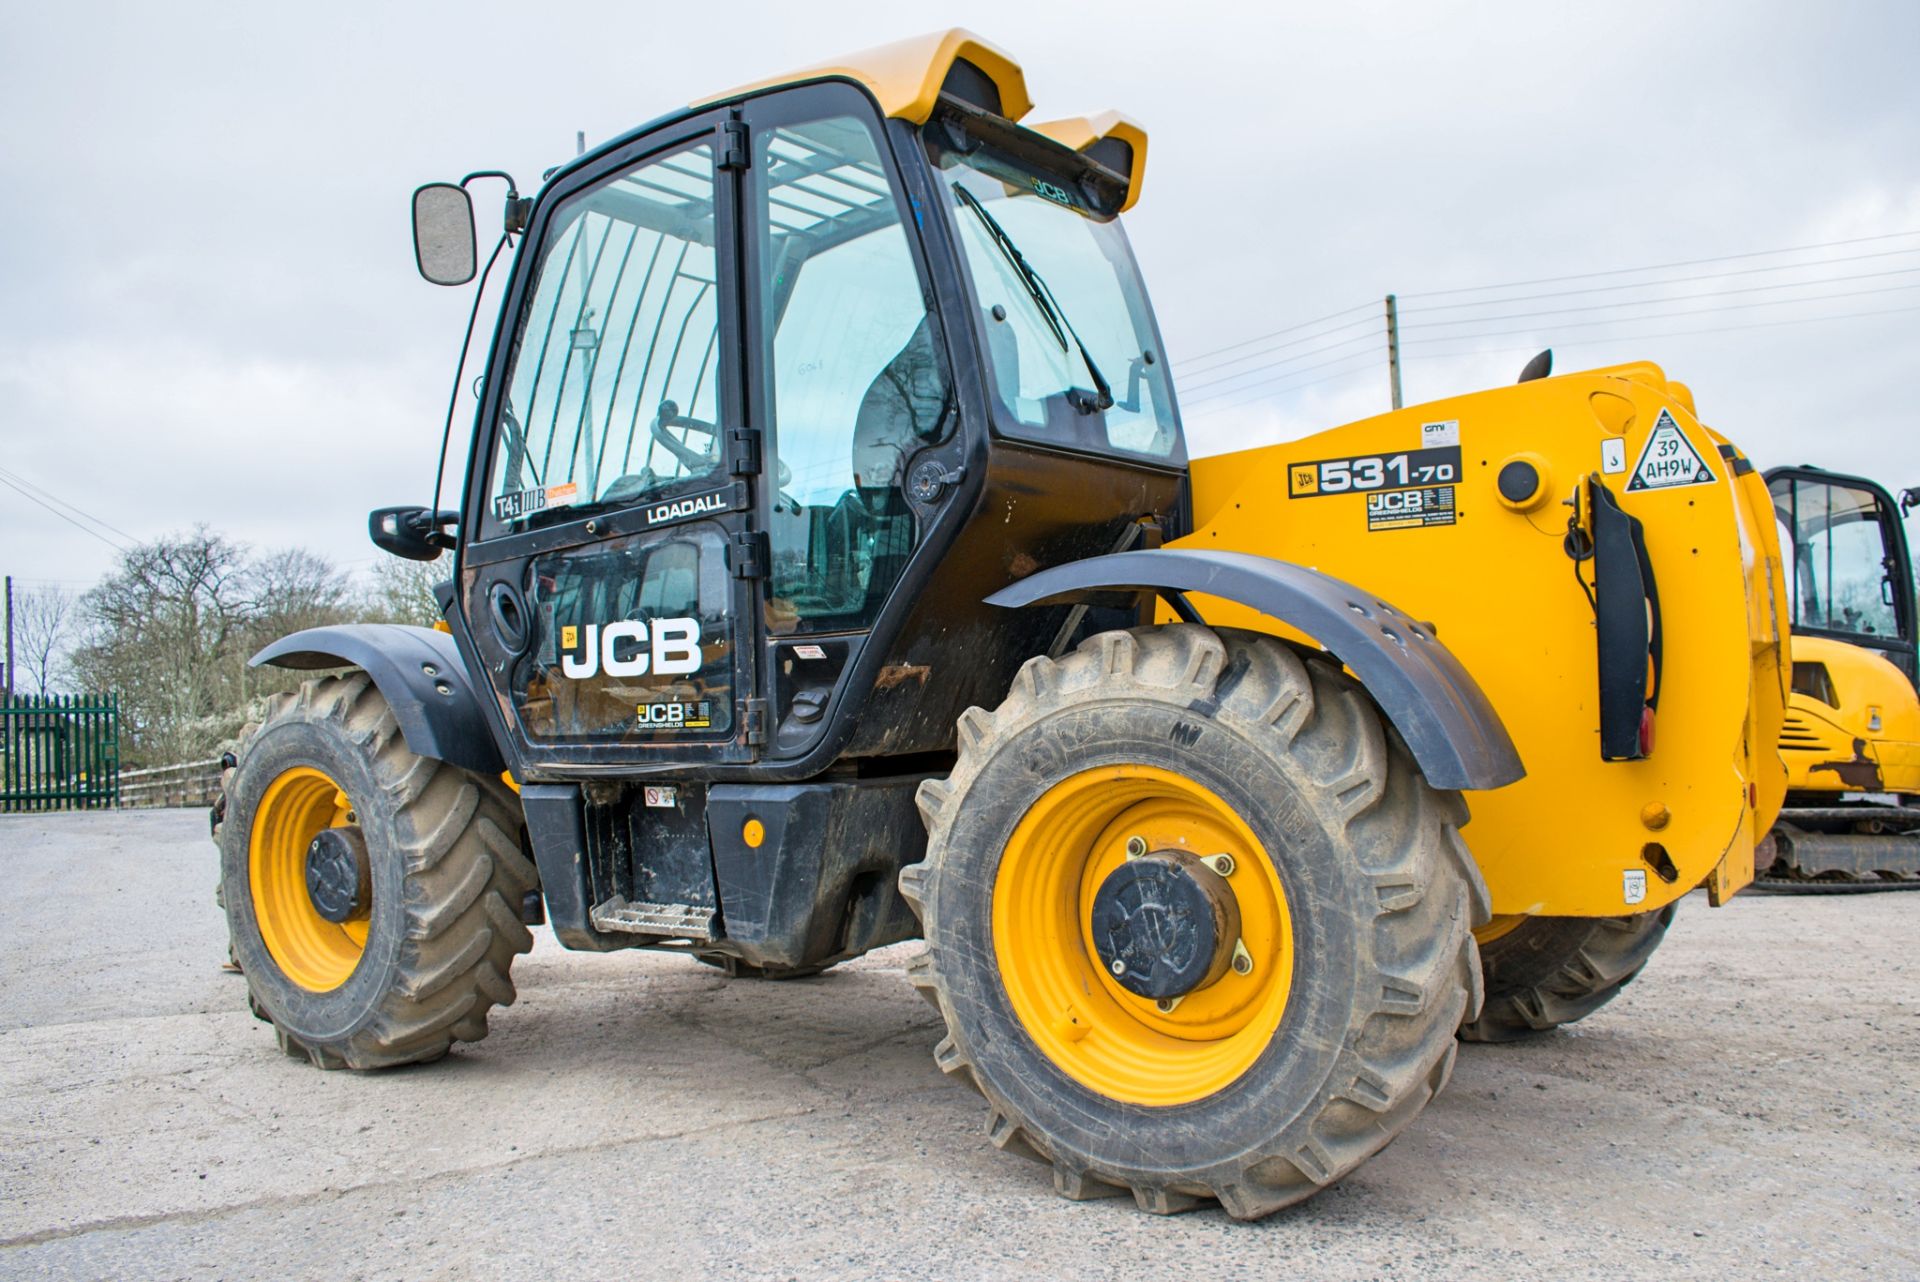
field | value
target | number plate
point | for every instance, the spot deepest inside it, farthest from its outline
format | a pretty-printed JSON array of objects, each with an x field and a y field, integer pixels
[{"x": 1365, "y": 473}]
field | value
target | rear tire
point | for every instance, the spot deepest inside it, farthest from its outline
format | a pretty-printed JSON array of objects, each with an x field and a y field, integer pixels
[
  {"x": 430, "y": 952},
  {"x": 1549, "y": 971},
  {"x": 1378, "y": 888}
]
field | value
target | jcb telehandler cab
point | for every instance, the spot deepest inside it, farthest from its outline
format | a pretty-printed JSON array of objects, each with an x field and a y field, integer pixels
[
  {"x": 830, "y": 413},
  {"x": 1851, "y": 740}
]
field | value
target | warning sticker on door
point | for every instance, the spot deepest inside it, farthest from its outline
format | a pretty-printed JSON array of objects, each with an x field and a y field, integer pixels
[
  {"x": 1410, "y": 509},
  {"x": 1668, "y": 459}
]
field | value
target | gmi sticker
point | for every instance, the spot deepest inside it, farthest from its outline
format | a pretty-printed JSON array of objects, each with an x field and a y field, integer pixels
[
  {"x": 1668, "y": 459},
  {"x": 1433, "y": 435},
  {"x": 1410, "y": 509}
]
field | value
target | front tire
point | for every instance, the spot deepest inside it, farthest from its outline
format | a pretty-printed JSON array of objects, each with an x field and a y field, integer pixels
[
  {"x": 1354, "y": 902},
  {"x": 411, "y": 961}
]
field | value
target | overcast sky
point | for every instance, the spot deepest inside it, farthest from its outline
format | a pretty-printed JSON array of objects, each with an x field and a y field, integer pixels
[{"x": 211, "y": 311}]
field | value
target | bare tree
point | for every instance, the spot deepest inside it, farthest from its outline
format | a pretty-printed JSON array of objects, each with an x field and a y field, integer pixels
[
  {"x": 403, "y": 591},
  {"x": 165, "y": 630},
  {"x": 40, "y": 634}
]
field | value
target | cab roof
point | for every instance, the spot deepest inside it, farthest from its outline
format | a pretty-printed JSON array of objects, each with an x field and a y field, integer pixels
[{"x": 906, "y": 79}]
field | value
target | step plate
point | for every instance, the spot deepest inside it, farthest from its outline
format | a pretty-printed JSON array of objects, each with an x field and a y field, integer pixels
[{"x": 667, "y": 921}]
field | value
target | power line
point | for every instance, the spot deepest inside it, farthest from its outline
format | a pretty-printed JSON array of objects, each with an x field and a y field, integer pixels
[
  {"x": 1188, "y": 368},
  {"x": 1299, "y": 356},
  {"x": 1690, "y": 280},
  {"x": 1655, "y": 267},
  {"x": 1235, "y": 391},
  {"x": 1635, "y": 338},
  {"x": 43, "y": 490},
  {"x": 62, "y": 515},
  {"x": 1626, "y": 320},
  {"x": 1291, "y": 388},
  {"x": 1261, "y": 338}
]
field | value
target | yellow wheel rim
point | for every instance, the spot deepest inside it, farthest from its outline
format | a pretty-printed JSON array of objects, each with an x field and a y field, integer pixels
[
  {"x": 1497, "y": 925},
  {"x": 316, "y": 954},
  {"x": 1109, "y": 1040}
]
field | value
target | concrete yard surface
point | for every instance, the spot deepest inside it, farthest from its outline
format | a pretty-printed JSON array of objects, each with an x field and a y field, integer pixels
[{"x": 1749, "y": 1108}]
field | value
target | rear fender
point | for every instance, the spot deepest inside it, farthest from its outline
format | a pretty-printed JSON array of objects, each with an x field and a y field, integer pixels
[
  {"x": 420, "y": 673},
  {"x": 1447, "y": 721}
]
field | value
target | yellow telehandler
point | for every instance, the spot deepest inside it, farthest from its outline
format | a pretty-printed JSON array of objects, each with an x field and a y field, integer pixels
[{"x": 831, "y": 572}]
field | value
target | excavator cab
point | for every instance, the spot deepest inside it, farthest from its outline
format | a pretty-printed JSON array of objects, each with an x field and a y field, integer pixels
[{"x": 1851, "y": 739}]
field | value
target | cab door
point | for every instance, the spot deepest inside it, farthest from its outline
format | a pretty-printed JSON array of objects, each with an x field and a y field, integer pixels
[
  {"x": 850, "y": 380},
  {"x": 1849, "y": 574},
  {"x": 607, "y": 576}
]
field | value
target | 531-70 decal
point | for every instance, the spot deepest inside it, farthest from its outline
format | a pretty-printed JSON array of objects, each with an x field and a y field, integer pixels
[{"x": 1364, "y": 472}]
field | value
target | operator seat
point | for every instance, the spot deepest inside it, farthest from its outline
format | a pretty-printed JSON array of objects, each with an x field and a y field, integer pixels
[{"x": 904, "y": 408}]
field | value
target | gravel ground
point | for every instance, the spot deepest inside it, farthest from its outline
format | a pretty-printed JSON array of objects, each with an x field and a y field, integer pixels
[{"x": 1750, "y": 1108}]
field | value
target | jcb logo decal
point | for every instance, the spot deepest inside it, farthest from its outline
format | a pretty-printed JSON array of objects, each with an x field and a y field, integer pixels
[{"x": 632, "y": 648}]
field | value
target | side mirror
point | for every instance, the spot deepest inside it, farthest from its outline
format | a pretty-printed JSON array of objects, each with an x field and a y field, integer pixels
[
  {"x": 443, "y": 243},
  {"x": 410, "y": 532}
]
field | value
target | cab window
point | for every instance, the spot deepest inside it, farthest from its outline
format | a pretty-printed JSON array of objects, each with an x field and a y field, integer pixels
[
  {"x": 613, "y": 393},
  {"x": 857, "y": 374}
]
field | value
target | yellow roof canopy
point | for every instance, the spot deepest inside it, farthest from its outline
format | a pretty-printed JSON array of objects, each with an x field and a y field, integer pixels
[{"x": 906, "y": 78}]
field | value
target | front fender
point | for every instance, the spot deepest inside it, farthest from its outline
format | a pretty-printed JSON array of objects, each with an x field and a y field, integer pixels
[
  {"x": 1446, "y": 719},
  {"x": 420, "y": 673}
]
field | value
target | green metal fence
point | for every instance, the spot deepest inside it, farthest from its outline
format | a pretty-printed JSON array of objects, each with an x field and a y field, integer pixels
[{"x": 61, "y": 752}]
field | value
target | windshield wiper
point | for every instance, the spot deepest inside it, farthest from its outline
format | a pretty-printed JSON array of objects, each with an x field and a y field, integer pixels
[{"x": 1045, "y": 303}]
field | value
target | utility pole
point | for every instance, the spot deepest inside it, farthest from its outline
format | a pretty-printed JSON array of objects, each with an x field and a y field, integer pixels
[
  {"x": 1393, "y": 347},
  {"x": 9, "y": 636}
]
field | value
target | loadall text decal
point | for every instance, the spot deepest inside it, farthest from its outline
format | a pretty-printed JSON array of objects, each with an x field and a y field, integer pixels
[
  {"x": 1668, "y": 459},
  {"x": 1364, "y": 472},
  {"x": 631, "y": 648},
  {"x": 695, "y": 505}
]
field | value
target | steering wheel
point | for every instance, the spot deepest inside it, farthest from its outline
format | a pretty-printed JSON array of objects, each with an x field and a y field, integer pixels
[
  {"x": 700, "y": 462},
  {"x": 693, "y": 460}
]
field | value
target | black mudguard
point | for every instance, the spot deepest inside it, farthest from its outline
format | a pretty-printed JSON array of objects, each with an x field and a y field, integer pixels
[
  {"x": 420, "y": 673},
  {"x": 1446, "y": 719}
]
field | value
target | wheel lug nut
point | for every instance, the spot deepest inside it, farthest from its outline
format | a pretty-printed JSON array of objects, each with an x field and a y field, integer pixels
[
  {"x": 1119, "y": 967},
  {"x": 1136, "y": 847}
]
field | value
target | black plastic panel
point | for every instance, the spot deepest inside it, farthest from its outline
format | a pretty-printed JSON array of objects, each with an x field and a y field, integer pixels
[
  {"x": 422, "y": 676},
  {"x": 1446, "y": 719}
]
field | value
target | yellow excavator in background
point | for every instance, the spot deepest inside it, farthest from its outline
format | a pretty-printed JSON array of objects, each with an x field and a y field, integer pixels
[{"x": 1851, "y": 740}]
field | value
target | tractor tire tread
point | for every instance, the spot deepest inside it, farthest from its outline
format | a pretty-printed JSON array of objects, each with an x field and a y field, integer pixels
[
  {"x": 1403, "y": 833},
  {"x": 1550, "y": 971},
  {"x": 465, "y": 871}
]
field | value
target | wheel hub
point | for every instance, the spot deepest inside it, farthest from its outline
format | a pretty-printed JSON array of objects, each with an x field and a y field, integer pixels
[
  {"x": 339, "y": 878},
  {"x": 1165, "y": 924}
]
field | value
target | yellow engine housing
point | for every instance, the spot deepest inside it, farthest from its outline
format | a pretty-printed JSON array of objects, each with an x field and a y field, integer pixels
[
  {"x": 1579, "y": 836},
  {"x": 1867, "y": 739}
]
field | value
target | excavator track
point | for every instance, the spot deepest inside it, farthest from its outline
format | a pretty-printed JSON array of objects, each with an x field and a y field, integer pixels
[{"x": 1839, "y": 850}]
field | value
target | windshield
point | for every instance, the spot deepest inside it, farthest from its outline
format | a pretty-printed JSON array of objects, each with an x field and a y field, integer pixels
[
  {"x": 1839, "y": 569},
  {"x": 1070, "y": 335}
]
